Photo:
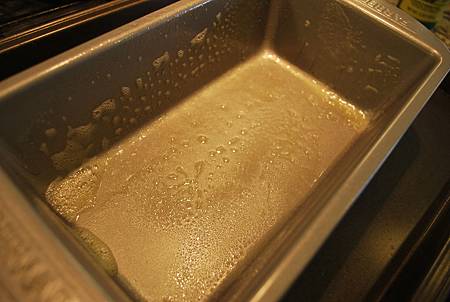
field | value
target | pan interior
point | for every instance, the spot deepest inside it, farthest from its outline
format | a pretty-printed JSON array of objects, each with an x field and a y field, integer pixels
[{"x": 184, "y": 201}]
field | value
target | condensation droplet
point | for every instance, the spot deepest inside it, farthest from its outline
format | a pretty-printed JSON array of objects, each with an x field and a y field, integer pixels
[
  {"x": 139, "y": 83},
  {"x": 161, "y": 60},
  {"x": 202, "y": 139},
  {"x": 126, "y": 91},
  {"x": 200, "y": 37}
]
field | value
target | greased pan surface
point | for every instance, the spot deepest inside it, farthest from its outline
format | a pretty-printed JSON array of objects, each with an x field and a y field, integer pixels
[{"x": 206, "y": 150}]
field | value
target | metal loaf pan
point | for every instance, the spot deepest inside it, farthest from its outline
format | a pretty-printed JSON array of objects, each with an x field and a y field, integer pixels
[{"x": 378, "y": 59}]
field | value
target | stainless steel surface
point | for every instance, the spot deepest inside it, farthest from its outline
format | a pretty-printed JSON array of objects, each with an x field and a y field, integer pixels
[{"x": 377, "y": 58}]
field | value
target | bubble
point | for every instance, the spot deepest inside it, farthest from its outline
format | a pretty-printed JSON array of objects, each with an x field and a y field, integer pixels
[
  {"x": 202, "y": 139},
  {"x": 69, "y": 196}
]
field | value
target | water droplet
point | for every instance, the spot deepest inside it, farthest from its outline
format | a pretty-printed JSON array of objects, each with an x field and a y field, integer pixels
[
  {"x": 172, "y": 176},
  {"x": 126, "y": 91},
  {"x": 161, "y": 60},
  {"x": 202, "y": 139},
  {"x": 233, "y": 141},
  {"x": 200, "y": 37},
  {"x": 371, "y": 88},
  {"x": 220, "y": 149},
  {"x": 195, "y": 70},
  {"x": 139, "y": 83}
]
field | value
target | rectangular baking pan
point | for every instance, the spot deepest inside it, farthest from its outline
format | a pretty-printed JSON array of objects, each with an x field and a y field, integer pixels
[{"x": 371, "y": 59}]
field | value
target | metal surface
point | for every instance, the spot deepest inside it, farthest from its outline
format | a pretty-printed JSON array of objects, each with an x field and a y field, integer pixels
[
  {"x": 22, "y": 16},
  {"x": 436, "y": 286},
  {"x": 366, "y": 253},
  {"x": 52, "y": 32},
  {"x": 377, "y": 58}
]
